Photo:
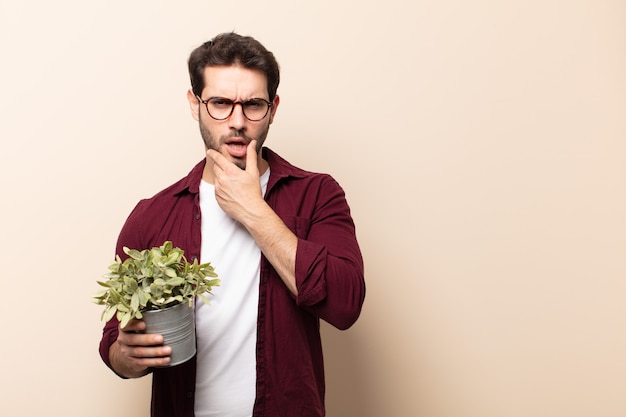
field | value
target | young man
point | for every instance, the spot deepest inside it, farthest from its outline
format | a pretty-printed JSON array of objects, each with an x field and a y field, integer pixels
[{"x": 281, "y": 239}]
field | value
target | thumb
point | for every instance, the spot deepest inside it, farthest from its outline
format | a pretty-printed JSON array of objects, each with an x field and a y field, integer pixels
[{"x": 251, "y": 156}]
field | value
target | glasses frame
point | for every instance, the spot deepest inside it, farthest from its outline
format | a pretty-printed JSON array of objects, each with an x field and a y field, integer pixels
[{"x": 232, "y": 109}]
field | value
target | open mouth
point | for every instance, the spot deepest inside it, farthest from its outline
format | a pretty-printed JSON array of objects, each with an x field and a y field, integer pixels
[{"x": 237, "y": 148}]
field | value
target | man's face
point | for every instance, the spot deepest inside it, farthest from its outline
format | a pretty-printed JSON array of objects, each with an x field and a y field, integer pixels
[{"x": 231, "y": 136}]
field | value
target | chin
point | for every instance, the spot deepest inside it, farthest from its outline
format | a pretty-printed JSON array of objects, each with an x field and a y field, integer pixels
[{"x": 239, "y": 162}]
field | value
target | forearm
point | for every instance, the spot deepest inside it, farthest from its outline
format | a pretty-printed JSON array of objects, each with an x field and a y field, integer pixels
[{"x": 277, "y": 243}]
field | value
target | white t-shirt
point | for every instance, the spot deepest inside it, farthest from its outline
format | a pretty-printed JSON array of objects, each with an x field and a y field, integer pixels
[{"x": 226, "y": 329}]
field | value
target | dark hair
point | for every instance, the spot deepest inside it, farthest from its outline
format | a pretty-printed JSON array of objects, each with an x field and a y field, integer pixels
[{"x": 233, "y": 49}]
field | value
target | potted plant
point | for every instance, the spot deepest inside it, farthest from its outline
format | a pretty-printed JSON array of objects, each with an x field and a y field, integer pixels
[{"x": 159, "y": 286}]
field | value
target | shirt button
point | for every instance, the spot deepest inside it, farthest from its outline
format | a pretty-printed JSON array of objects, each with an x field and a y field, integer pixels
[
  {"x": 198, "y": 216},
  {"x": 189, "y": 394}
]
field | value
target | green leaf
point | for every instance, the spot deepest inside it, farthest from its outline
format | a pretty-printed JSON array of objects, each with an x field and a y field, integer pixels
[
  {"x": 175, "y": 281},
  {"x": 144, "y": 298},
  {"x": 125, "y": 319},
  {"x": 135, "y": 254},
  {"x": 134, "y": 301},
  {"x": 108, "y": 314},
  {"x": 170, "y": 272},
  {"x": 204, "y": 299},
  {"x": 172, "y": 258}
]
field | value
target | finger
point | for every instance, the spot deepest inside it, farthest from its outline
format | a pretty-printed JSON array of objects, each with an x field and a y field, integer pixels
[
  {"x": 215, "y": 157},
  {"x": 251, "y": 156},
  {"x": 150, "y": 362},
  {"x": 141, "y": 339},
  {"x": 151, "y": 352},
  {"x": 134, "y": 325},
  {"x": 133, "y": 335}
]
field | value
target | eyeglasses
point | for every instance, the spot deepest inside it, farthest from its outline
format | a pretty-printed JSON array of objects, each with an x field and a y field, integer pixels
[{"x": 220, "y": 108}]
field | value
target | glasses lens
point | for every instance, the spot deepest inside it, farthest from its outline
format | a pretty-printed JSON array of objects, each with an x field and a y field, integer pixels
[
  {"x": 219, "y": 108},
  {"x": 255, "y": 109}
]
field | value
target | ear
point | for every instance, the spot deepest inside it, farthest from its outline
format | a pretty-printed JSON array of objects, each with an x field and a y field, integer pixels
[
  {"x": 194, "y": 105},
  {"x": 275, "y": 104}
]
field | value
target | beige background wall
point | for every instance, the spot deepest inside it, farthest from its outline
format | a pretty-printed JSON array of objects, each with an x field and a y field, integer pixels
[{"x": 482, "y": 146}]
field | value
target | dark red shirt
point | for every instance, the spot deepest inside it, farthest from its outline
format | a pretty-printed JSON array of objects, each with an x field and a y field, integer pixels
[{"x": 329, "y": 278}]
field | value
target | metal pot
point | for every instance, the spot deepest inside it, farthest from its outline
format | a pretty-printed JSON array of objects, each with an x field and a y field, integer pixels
[{"x": 178, "y": 327}]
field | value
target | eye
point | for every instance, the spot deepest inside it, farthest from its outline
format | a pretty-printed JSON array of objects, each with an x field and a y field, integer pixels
[
  {"x": 219, "y": 102},
  {"x": 254, "y": 104}
]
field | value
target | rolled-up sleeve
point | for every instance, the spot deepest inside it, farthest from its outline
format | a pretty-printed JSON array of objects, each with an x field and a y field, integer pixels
[{"x": 329, "y": 265}]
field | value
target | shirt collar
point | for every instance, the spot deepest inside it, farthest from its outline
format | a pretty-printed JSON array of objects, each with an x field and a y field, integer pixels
[
  {"x": 191, "y": 183},
  {"x": 280, "y": 169}
]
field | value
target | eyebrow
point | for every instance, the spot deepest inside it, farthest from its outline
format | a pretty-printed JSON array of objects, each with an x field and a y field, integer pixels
[{"x": 243, "y": 101}]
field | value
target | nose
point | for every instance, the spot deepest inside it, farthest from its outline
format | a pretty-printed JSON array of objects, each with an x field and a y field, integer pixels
[{"x": 237, "y": 120}]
